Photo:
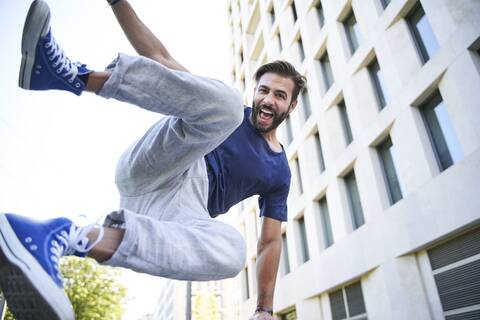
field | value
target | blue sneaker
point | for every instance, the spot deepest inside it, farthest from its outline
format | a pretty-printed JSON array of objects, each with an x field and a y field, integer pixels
[
  {"x": 44, "y": 64},
  {"x": 30, "y": 252}
]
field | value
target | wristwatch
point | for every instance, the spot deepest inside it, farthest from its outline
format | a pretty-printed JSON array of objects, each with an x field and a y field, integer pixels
[{"x": 264, "y": 309}]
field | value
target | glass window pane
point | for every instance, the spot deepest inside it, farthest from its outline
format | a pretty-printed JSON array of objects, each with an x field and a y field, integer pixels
[
  {"x": 301, "y": 50},
  {"x": 326, "y": 71},
  {"x": 337, "y": 305},
  {"x": 448, "y": 132},
  {"x": 356, "y": 305},
  {"x": 427, "y": 35},
  {"x": 285, "y": 258},
  {"x": 320, "y": 14},
  {"x": 379, "y": 83},
  {"x": 289, "y": 130},
  {"x": 321, "y": 161},
  {"x": 326, "y": 224},
  {"x": 306, "y": 106},
  {"x": 303, "y": 240},
  {"x": 298, "y": 176},
  {"x": 423, "y": 33},
  {"x": 354, "y": 200},
  {"x": 345, "y": 122},
  {"x": 385, "y": 3},
  {"x": 353, "y": 32},
  {"x": 444, "y": 141},
  {"x": 294, "y": 12},
  {"x": 390, "y": 174}
]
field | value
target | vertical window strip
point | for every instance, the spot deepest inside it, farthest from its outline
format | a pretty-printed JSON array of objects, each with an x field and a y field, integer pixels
[
  {"x": 320, "y": 14},
  {"x": 423, "y": 35},
  {"x": 289, "y": 129},
  {"x": 345, "y": 122},
  {"x": 321, "y": 160},
  {"x": 353, "y": 34},
  {"x": 294, "y": 12},
  {"x": 326, "y": 71},
  {"x": 354, "y": 200},
  {"x": 391, "y": 179},
  {"x": 303, "y": 240},
  {"x": 306, "y": 105},
  {"x": 325, "y": 222},
  {"x": 385, "y": 3},
  {"x": 246, "y": 284},
  {"x": 378, "y": 83},
  {"x": 440, "y": 130},
  {"x": 299, "y": 176},
  {"x": 301, "y": 49},
  {"x": 285, "y": 257}
]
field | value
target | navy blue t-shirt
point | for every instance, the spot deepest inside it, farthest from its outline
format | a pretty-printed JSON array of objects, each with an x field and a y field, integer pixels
[{"x": 244, "y": 165}]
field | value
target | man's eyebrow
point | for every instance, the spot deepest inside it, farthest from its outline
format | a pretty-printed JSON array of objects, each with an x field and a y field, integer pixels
[{"x": 262, "y": 86}]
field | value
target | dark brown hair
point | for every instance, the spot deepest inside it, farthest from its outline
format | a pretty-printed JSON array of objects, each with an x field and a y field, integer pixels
[{"x": 285, "y": 69}]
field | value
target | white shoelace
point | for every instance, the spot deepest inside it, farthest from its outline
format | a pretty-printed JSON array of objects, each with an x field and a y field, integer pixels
[
  {"x": 74, "y": 241},
  {"x": 62, "y": 63}
]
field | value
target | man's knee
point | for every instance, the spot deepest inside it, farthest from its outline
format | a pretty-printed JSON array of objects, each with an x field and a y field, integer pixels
[
  {"x": 230, "y": 106},
  {"x": 236, "y": 262}
]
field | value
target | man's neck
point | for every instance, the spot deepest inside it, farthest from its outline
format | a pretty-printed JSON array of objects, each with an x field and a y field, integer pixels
[{"x": 271, "y": 138}]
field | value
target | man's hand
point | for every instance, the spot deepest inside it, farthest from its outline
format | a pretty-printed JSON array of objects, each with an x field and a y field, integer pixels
[{"x": 262, "y": 315}]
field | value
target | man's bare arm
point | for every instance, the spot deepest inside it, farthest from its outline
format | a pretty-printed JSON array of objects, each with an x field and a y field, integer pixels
[
  {"x": 141, "y": 38},
  {"x": 268, "y": 257}
]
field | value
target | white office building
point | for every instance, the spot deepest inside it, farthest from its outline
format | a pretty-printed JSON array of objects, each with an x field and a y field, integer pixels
[{"x": 384, "y": 149}]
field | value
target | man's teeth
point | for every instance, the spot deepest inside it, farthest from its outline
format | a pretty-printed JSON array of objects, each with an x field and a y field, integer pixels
[{"x": 267, "y": 112}]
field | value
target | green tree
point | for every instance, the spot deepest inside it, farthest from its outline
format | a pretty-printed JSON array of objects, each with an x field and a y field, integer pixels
[
  {"x": 93, "y": 290},
  {"x": 205, "y": 306}
]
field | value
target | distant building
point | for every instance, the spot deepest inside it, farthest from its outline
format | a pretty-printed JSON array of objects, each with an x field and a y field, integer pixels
[{"x": 384, "y": 149}]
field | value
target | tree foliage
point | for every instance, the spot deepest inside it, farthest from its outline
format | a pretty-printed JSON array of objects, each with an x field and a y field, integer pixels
[
  {"x": 93, "y": 290},
  {"x": 205, "y": 306}
]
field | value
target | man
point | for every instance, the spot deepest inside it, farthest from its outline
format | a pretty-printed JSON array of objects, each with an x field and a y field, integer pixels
[{"x": 207, "y": 154}]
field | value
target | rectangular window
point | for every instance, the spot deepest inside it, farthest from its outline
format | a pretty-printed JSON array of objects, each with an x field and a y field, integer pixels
[
  {"x": 347, "y": 303},
  {"x": 305, "y": 256},
  {"x": 271, "y": 13},
  {"x": 306, "y": 106},
  {"x": 246, "y": 286},
  {"x": 385, "y": 3},
  {"x": 347, "y": 130},
  {"x": 440, "y": 130},
  {"x": 378, "y": 83},
  {"x": 285, "y": 258},
  {"x": 291, "y": 315},
  {"x": 289, "y": 129},
  {"x": 298, "y": 176},
  {"x": 320, "y": 14},
  {"x": 301, "y": 49},
  {"x": 321, "y": 161},
  {"x": 390, "y": 174},
  {"x": 456, "y": 270},
  {"x": 354, "y": 200},
  {"x": 326, "y": 71},
  {"x": 279, "y": 41},
  {"x": 294, "y": 12},
  {"x": 353, "y": 33},
  {"x": 325, "y": 222},
  {"x": 423, "y": 35}
]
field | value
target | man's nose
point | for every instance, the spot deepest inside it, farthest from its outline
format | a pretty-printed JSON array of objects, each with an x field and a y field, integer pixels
[{"x": 268, "y": 99}]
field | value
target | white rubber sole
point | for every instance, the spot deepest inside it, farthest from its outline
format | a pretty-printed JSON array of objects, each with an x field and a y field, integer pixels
[
  {"x": 36, "y": 25},
  {"x": 29, "y": 290}
]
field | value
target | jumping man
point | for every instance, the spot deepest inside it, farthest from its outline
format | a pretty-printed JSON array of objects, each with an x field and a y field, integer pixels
[{"x": 208, "y": 153}]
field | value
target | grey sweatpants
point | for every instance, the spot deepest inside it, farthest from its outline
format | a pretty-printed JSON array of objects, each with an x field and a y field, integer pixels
[{"x": 162, "y": 177}]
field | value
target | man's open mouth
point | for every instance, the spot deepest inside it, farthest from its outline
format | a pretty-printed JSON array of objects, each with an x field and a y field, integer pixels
[{"x": 266, "y": 114}]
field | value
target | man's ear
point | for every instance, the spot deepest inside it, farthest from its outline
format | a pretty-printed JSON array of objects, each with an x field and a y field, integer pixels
[{"x": 293, "y": 105}]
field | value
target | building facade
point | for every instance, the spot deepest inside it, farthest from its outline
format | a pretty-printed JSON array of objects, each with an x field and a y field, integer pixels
[{"x": 384, "y": 149}]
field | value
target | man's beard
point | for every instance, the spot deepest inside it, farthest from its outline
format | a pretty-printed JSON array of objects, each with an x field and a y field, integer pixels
[{"x": 277, "y": 119}]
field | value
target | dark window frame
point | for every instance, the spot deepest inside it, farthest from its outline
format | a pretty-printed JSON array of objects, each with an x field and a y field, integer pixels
[
  {"x": 327, "y": 72},
  {"x": 347, "y": 129},
  {"x": 352, "y": 37},
  {"x": 390, "y": 176},
  {"x": 305, "y": 252},
  {"x": 415, "y": 15},
  {"x": 354, "y": 201},
  {"x": 373, "y": 70}
]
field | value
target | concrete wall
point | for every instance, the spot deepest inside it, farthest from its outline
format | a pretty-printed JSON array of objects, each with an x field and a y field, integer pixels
[{"x": 388, "y": 252}]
